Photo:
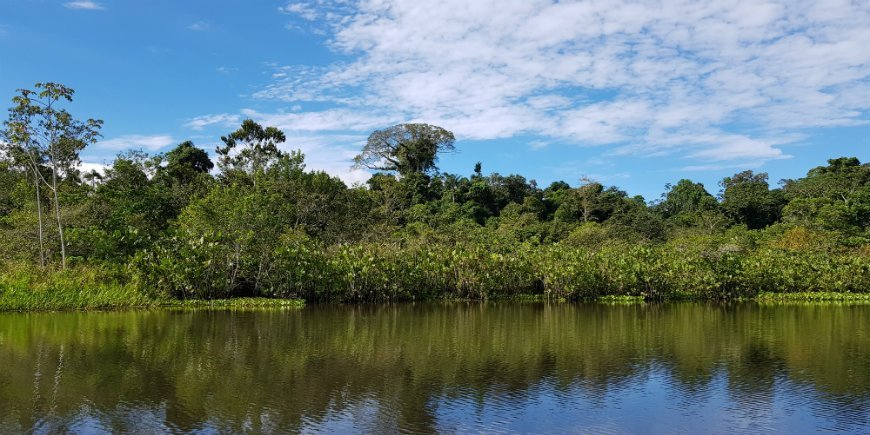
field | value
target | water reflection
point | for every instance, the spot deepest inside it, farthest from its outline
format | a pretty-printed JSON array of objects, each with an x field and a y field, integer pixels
[{"x": 440, "y": 367}]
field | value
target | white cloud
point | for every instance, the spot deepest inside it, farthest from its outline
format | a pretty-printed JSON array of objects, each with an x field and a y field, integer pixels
[
  {"x": 719, "y": 167},
  {"x": 330, "y": 153},
  {"x": 326, "y": 138},
  {"x": 323, "y": 121},
  {"x": 575, "y": 169},
  {"x": 87, "y": 167},
  {"x": 134, "y": 141},
  {"x": 323, "y": 138},
  {"x": 713, "y": 80},
  {"x": 221, "y": 119},
  {"x": 303, "y": 10},
  {"x": 199, "y": 26},
  {"x": 84, "y": 5}
]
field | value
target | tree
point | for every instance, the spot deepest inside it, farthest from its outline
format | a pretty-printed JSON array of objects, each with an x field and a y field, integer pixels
[
  {"x": 689, "y": 204},
  {"x": 405, "y": 148},
  {"x": 9, "y": 178},
  {"x": 747, "y": 198},
  {"x": 127, "y": 211},
  {"x": 258, "y": 149},
  {"x": 39, "y": 133},
  {"x": 184, "y": 173},
  {"x": 17, "y": 147},
  {"x": 590, "y": 202},
  {"x": 836, "y": 196},
  {"x": 186, "y": 162}
]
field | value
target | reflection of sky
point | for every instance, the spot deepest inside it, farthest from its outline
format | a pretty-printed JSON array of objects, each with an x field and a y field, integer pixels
[
  {"x": 448, "y": 368},
  {"x": 649, "y": 402}
]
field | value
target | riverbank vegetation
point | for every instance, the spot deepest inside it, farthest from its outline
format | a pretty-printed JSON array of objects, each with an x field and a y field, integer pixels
[{"x": 172, "y": 226}]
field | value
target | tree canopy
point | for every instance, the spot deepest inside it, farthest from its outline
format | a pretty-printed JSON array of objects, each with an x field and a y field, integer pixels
[
  {"x": 405, "y": 148},
  {"x": 250, "y": 149},
  {"x": 264, "y": 224}
]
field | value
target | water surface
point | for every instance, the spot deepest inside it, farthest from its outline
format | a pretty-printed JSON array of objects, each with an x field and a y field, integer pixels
[{"x": 457, "y": 367}]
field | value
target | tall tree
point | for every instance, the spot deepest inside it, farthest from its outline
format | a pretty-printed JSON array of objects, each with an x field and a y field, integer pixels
[
  {"x": 405, "y": 148},
  {"x": 18, "y": 149},
  {"x": 747, "y": 198},
  {"x": 41, "y": 132},
  {"x": 836, "y": 196},
  {"x": 590, "y": 202},
  {"x": 689, "y": 204},
  {"x": 186, "y": 162},
  {"x": 257, "y": 149}
]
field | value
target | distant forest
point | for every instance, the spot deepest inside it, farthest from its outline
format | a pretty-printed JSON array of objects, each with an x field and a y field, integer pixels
[{"x": 255, "y": 222}]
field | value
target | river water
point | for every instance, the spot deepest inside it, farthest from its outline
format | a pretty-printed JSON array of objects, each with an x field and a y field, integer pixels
[{"x": 441, "y": 367}]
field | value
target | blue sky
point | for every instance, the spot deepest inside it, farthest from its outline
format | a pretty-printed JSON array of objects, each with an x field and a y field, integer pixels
[{"x": 634, "y": 94}]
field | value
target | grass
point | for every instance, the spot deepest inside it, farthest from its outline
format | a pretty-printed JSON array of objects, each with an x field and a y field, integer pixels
[{"x": 26, "y": 288}]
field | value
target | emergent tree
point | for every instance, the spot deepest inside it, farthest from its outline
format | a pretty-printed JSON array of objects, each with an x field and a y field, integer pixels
[
  {"x": 405, "y": 148},
  {"x": 39, "y": 132}
]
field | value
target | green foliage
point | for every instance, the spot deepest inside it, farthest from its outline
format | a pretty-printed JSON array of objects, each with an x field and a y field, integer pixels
[
  {"x": 686, "y": 202},
  {"x": 41, "y": 136},
  {"x": 748, "y": 200},
  {"x": 249, "y": 150},
  {"x": 266, "y": 226},
  {"x": 405, "y": 148},
  {"x": 834, "y": 197},
  {"x": 22, "y": 288}
]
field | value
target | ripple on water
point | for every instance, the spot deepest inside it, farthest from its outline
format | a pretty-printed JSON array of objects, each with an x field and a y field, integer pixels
[{"x": 494, "y": 368}]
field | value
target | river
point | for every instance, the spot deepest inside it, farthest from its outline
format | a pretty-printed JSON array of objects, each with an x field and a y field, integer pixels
[{"x": 441, "y": 367}]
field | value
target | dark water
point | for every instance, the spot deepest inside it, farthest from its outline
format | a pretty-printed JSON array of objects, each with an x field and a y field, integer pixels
[{"x": 495, "y": 367}]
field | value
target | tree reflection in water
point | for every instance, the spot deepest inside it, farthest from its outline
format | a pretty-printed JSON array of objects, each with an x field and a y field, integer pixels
[{"x": 440, "y": 367}]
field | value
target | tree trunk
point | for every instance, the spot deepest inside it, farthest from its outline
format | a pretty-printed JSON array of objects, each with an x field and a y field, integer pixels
[
  {"x": 57, "y": 208},
  {"x": 39, "y": 217}
]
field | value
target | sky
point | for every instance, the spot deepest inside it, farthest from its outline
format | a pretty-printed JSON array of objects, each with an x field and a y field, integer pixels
[{"x": 635, "y": 94}]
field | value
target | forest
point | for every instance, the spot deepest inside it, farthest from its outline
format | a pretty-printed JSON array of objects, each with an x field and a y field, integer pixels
[{"x": 254, "y": 222}]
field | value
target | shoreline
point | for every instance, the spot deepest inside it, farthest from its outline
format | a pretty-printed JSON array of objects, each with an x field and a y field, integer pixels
[{"x": 765, "y": 298}]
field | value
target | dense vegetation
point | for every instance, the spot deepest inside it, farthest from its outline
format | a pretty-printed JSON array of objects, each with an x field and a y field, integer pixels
[{"x": 171, "y": 226}]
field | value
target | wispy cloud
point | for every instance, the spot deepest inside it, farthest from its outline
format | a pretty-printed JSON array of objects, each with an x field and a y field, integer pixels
[
  {"x": 199, "y": 26},
  {"x": 576, "y": 170},
  {"x": 134, "y": 141},
  {"x": 718, "y": 167},
  {"x": 331, "y": 153},
  {"x": 222, "y": 120},
  {"x": 328, "y": 138},
  {"x": 335, "y": 120},
  {"x": 712, "y": 81},
  {"x": 303, "y": 10},
  {"x": 84, "y": 5}
]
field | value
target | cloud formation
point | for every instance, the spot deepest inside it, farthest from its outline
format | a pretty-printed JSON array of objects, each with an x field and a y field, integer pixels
[
  {"x": 134, "y": 141},
  {"x": 199, "y": 26},
  {"x": 709, "y": 80},
  {"x": 84, "y": 5},
  {"x": 222, "y": 120}
]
